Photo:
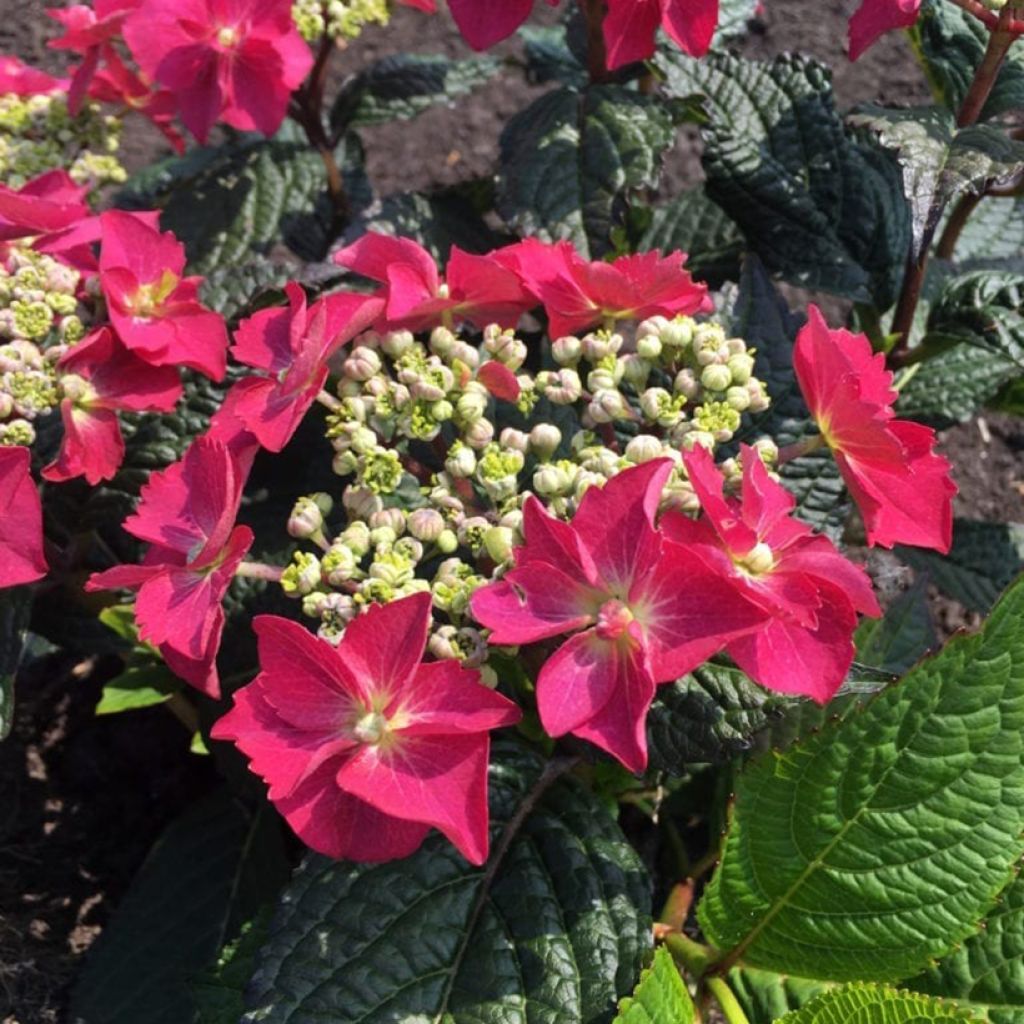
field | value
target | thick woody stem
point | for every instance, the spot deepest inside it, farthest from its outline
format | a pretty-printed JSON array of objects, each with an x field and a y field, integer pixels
[{"x": 597, "y": 55}]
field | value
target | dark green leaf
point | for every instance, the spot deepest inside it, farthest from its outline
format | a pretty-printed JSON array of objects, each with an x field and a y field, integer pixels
[
  {"x": 139, "y": 687},
  {"x": 733, "y": 18},
  {"x": 230, "y": 289},
  {"x": 939, "y": 163},
  {"x": 902, "y": 636},
  {"x": 15, "y": 607},
  {"x": 975, "y": 330},
  {"x": 995, "y": 230},
  {"x": 548, "y": 56},
  {"x": 701, "y": 228},
  {"x": 219, "y": 992},
  {"x": 205, "y": 876},
  {"x": 950, "y": 44},
  {"x": 569, "y": 160},
  {"x": 766, "y": 996},
  {"x": 820, "y": 209},
  {"x": 986, "y": 974},
  {"x": 984, "y": 559},
  {"x": 763, "y": 319},
  {"x": 660, "y": 997},
  {"x": 561, "y": 929},
  {"x": 402, "y": 85},
  {"x": 872, "y": 847},
  {"x": 878, "y": 1004}
]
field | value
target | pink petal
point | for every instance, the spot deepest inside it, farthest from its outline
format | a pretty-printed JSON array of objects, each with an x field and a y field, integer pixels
[
  {"x": 21, "y": 520},
  {"x": 486, "y": 22},
  {"x": 629, "y": 28},
  {"x": 440, "y": 781},
  {"x": 445, "y": 698},
  {"x": 876, "y": 17},
  {"x": 499, "y": 380},
  {"x": 553, "y": 542},
  {"x": 691, "y": 24},
  {"x": 92, "y": 445}
]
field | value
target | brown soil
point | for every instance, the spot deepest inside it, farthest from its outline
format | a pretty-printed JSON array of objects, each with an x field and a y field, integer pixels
[{"x": 83, "y": 798}]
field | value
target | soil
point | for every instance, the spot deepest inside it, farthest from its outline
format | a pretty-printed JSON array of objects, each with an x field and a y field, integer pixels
[{"x": 84, "y": 797}]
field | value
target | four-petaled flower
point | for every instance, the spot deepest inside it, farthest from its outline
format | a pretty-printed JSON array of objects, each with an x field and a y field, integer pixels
[
  {"x": 641, "y": 609},
  {"x": 187, "y": 513},
  {"x": 21, "y": 520},
  {"x": 97, "y": 377},
  {"x": 902, "y": 488},
  {"x": 364, "y": 747},
  {"x": 579, "y": 295},
  {"x": 809, "y": 593},
  {"x": 236, "y": 61},
  {"x": 477, "y": 289},
  {"x": 154, "y": 309},
  {"x": 293, "y": 345}
]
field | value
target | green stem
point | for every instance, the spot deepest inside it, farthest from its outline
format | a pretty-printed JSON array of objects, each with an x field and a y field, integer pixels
[
  {"x": 798, "y": 448},
  {"x": 731, "y": 1008},
  {"x": 692, "y": 956},
  {"x": 259, "y": 571}
]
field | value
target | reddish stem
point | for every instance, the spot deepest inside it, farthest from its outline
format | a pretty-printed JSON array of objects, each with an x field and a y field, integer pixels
[{"x": 597, "y": 55}]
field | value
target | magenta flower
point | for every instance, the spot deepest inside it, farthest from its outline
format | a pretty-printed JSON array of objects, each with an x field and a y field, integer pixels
[
  {"x": 236, "y": 61},
  {"x": 187, "y": 513},
  {"x": 98, "y": 376},
  {"x": 293, "y": 345},
  {"x": 876, "y": 17},
  {"x": 154, "y": 309},
  {"x": 21, "y": 520},
  {"x": 809, "y": 592},
  {"x": 87, "y": 30},
  {"x": 49, "y": 203},
  {"x": 477, "y": 289},
  {"x": 579, "y": 295},
  {"x": 23, "y": 80},
  {"x": 640, "y": 608},
  {"x": 902, "y": 488},
  {"x": 630, "y": 27},
  {"x": 486, "y": 22},
  {"x": 366, "y": 749}
]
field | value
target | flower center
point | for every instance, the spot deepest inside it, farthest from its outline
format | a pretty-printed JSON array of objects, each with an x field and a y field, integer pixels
[
  {"x": 146, "y": 302},
  {"x": 227, "y": 36},
  {"x": 757, "y": 561},
  {"x": 371, "y": 727},
  {"x": 77, "y": 389},
  {"x": 613, "y": 620}
]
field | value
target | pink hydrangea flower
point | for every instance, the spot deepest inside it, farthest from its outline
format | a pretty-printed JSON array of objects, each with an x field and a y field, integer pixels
[
  {"x": 902, "y": 488},
  {"x": 630, "y": 27},
  {"x": 154, "y": 309},
  {"x": 477, "y": 289},
  {"x": 98, "y": 376},
  {"x": 366, "y": 749},
  {"x": 236, "y": 61},
  {"x": 87, "y": 30},
  {"x": 21, "y": 520},
  {"x": 47, "y": 204},
  {"x": 187, "y": 513},
  {"x": 293, "y": 345},
  {"x": 876, "y": 17},
  {"x": 486, "y": 22},
  {"x": 23, "y": 80},
  {"x": 641, "y": 610},
  {"x": 578, "y": 294},
  {"x": 810, "y": 593}
]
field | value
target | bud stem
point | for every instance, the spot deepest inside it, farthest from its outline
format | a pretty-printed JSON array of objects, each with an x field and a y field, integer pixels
[
  {"x": 597, "y": 55},
  {"x": 328, "y": 400},
  {"x": 259, "y": 571},
  {"x": 731, "y": 1008},
  {"x": 798, "y": 448}
]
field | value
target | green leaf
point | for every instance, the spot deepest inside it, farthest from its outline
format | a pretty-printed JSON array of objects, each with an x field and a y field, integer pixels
[
  {"x": 230, "y": 290},
  {"x": 875, "y": 1003},
  {"x": 559, "y": 926},
  {"x": 702, "y": 229},
  {"x": 902, "y": 636},
  {"x": 820, "y": 209},
  {"x": 660, "y": 997},
  {"x": 984, "y": 559},
  {"x": 569, "y": 160},
  {"x": 549, "y": 57},
  {"x": 219, "y": 992},
  {"x": 939, "y": 162},
  {"x": 402, "y": 85},
  {"x": 986, "y": 974},
  {"x": 15, "y": 608},
  {"x": 872, "y": 847},
  {"x": 733, "y": 19},
  {"x": 975, "y": 332},
  {"x": 205, "y": 876},
  {"x": 766, "y": 996},
  {"x": 761, "y": 316},
  {"x": 243, "y": 198},
  {"x": 709, "y": 716},
  {"x": 139, "y": 687},
  {"x": 949, "y": 44},
  {"x": 995, "y": 230}
]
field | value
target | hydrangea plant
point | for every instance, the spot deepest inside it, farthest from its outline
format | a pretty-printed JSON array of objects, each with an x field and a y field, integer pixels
[{"x": 507, "y": 559}]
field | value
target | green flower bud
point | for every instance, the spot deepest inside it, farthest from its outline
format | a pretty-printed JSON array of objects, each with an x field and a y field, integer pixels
[
  {"x": 479, "y": 435},
  {"x": 504, "y": 346},
  {"x": 564, "y": 387},
  {"x": 678, "y": 333},
  {"x": 741, "y": 366},
  {"x": 382, "y": 537},
  {"x": 340, "y": 564},
  {"x": 717, "y": 419},
  {"x": 599, "y": 344},
  {"x": 567, "y": 351},
  {"x": 425, "y": 524},
  {"x": 32, "y": 319},
  {"x": 651, "y": 327},
  {"x": 471, "y": 533},
  {"x": 648, "y": 347},
  {"x": 606, "y": 406},
  {"x": 336, "y": 612},
  {"x": 392, "y": 517},
  {"x": 715, "y": 377},
  {"x": 381, "y": 471},
  {"x": 17, "y": 432},
  {"x": 345, "y": 463},
  {"x": 460, "y": 461},
  {"x": 302, "y": 576},
  {"x": 767, "y": 450},
  {"x": 409, "y": 548},
  {"x": 686, "y": 384},
  {"x": 544, "y": 440},
  {"x": 470, "y": 407},
  {"x": 658, "y": 406},
  {"x": 738, "y": 398},
  {"x": 643, "y": 448},
  {"x": 554, "y": 478},
  {"x": 391, "y": 567},
  {"x": 441, "y": 341},
  {"x": 759, "y": 400},
  {"x": 361, "y": 502},
  {"x": 514, "y": 439},
  {"x": 634, "y": 369},
  {"x": 396, "y": 343},
  {"x": 499, "y": 542},
  {"x": 447, "y": 542},
  {"x": 362, "y": 364},
  {"x": 306, "y": 520}
]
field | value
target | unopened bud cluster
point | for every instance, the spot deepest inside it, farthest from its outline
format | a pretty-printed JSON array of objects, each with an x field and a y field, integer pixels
[
  {"x": 37, "y": 134},
  {"x": 436, "y": 469},
  {"x": 340, "y": 20},
  {"x": 39, "y": 319}
]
